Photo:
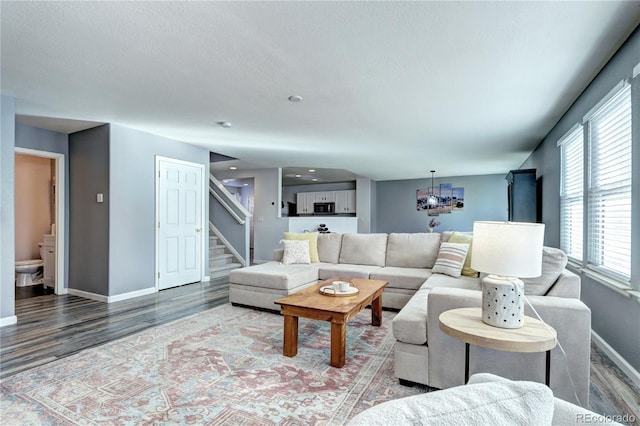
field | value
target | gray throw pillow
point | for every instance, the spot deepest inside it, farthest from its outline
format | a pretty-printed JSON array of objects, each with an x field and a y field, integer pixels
[{"x": 553, "y": 262}]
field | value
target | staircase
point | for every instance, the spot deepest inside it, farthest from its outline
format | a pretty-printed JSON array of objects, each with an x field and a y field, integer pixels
[{"x": 221, "y": 261}]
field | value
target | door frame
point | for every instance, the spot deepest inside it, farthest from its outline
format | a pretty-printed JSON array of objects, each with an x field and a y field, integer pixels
[
  {"x": 60, "y": 228},
  {"x": 205, "y": 220}
]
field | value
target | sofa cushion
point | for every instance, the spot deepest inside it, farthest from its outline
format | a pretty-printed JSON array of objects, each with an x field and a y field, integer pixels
[
  {"x": 329, "y": 247},
  {"x": 553, "y": 263},
  {"x": 364, "y": 249},
  {"x": 494, "y": 403},
  {"x": 409, "y": 278},
  {"x": 410, "y": 325},
  {"x": 451, "y": 259},
  {"x": 417, "y": 250},
  {"x": 295, "y": 251},
  {"x": 275, "y": 275},
  {"x": 312, "y": 237},
  {"x": 345, "y": 270},
  {"x": 440, "y": 280},
  {"x": 459, "y": 237}
]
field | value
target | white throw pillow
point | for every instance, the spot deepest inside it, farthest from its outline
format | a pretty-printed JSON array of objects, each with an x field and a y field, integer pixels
[
  {"x": 295, "y": 251},
  {"x": 513, "y": 403},
  {"x": 451, "y": 259}
]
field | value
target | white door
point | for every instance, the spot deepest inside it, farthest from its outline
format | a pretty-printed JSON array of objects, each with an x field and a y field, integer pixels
[{"x": 179, "y": 223}]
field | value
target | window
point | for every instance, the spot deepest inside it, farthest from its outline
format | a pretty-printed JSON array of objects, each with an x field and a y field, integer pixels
[
  {"x": 571, "y": 193},
  {"x": 609, "y": 187}
]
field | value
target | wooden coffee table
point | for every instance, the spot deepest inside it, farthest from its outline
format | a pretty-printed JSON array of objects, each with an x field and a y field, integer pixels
[{"x": 310, "y": 303}]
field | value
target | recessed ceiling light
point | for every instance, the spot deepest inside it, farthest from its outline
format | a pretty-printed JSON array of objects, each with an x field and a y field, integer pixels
[
  {"x": 312, "y": 170},
  {"x": 232, "y": 168},
  {"x": 295, "y": 98},
  {"x": 225, "y": 124},
  {"x": 298, "y": 175},
  {"x": 314, "y": 179},
  {"x": 245, "y": 184}
]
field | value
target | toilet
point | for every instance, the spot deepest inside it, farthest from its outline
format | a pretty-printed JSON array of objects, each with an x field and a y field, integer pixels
[{"x": 29, "y": 272}]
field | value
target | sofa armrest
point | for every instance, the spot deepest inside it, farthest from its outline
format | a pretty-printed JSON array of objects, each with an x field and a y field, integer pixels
[
  {"x": 569, "y": 317},
  {"x": 277, "y": 254},
  {"x": 567, "y": 285}
]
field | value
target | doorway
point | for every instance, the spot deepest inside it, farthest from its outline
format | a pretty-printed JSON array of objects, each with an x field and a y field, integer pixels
[
  {"x": 52, "y": 204},
  {"x": 180, "y": 214}
]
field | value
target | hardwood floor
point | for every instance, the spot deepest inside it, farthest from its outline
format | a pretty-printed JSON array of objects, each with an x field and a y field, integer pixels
[{"x": 52, "y": 327}]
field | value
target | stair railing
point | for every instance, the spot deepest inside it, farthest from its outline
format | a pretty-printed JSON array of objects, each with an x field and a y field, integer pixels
[
  {"x": 224, "y": 197},
  {"x": 230, "y": 247},
  {"x": 229, "y": 221}
]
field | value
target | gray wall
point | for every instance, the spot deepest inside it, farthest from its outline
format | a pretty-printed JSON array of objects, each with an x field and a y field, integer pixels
[
  {"x": 615, "y": 316},
  {"x": 365, "y": 204},
  {"x": 7, "y": 231},
  {"x": 233, "y": 231},
  {"x": 485, "y": 198},
  {"x": 89, "y": 230},
  {"x": 46, "y": 140},
  {"x": 132, "y": 205}
]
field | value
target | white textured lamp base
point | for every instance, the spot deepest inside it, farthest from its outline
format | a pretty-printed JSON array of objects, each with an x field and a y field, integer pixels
[{"x": 503, "y": 301}]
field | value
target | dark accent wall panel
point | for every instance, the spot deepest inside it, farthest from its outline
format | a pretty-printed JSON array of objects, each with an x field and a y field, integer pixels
[{"x": 88, "y": 219}]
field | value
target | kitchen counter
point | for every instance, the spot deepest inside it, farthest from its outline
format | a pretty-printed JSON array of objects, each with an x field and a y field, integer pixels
[{"x": 341, "y": 224}]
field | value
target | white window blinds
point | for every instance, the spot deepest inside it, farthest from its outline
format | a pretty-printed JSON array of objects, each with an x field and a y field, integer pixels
[
  {"x": 571, "y": 193},
  {"x": 609, "y": 189}
]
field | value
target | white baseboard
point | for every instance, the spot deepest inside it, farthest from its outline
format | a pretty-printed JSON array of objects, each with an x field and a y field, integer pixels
[
  {"x": 87, "y": 295},
  {"x": 8, "y": 321},
  {"x": 622, "y": 363},
  {"x": 205, "y": 279},
  {"x": 131, "y": 295},
  {"x": 111, "y": 299}
]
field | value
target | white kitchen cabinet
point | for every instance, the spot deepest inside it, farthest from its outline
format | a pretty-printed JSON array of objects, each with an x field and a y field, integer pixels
[
  {"x": 49, "y": 269},
  {"x": 345, "y": 201},
  {"x": 325, "y": 197},
  {"x": 305, "y": 202}
]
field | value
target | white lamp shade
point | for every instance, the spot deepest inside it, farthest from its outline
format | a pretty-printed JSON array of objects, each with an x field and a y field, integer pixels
[{"x": 511, "y": 249}]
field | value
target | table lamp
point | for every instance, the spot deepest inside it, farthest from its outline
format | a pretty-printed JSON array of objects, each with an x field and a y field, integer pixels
[{"x": 507, "y": 251}]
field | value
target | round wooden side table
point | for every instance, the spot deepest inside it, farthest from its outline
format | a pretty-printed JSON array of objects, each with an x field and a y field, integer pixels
[{"x": 465, "y": 324}]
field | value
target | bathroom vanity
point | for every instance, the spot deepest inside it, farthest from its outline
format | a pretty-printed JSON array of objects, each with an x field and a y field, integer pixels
[{"x": 49, "y": 257}]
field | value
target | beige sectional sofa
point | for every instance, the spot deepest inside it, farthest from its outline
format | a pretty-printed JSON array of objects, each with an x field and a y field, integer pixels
[{"x": 423, "y": 354}]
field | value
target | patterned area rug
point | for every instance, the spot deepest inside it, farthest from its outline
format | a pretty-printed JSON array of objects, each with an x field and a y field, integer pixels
[{"x": 222, "y": 366}]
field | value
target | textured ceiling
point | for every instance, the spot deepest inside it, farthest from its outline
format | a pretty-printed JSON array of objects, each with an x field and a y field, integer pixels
[{"x": 391, "y": 89}]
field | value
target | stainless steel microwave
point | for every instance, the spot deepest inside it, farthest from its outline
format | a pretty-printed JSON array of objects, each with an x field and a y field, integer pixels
[{"x": 324, "y": 208}]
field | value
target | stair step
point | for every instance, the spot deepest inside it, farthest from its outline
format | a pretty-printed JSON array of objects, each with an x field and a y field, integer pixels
[
  {"x": 216, "y": 250},
  {"x": 221, "y": 259},
  {"x": 223, "y": 270}
]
